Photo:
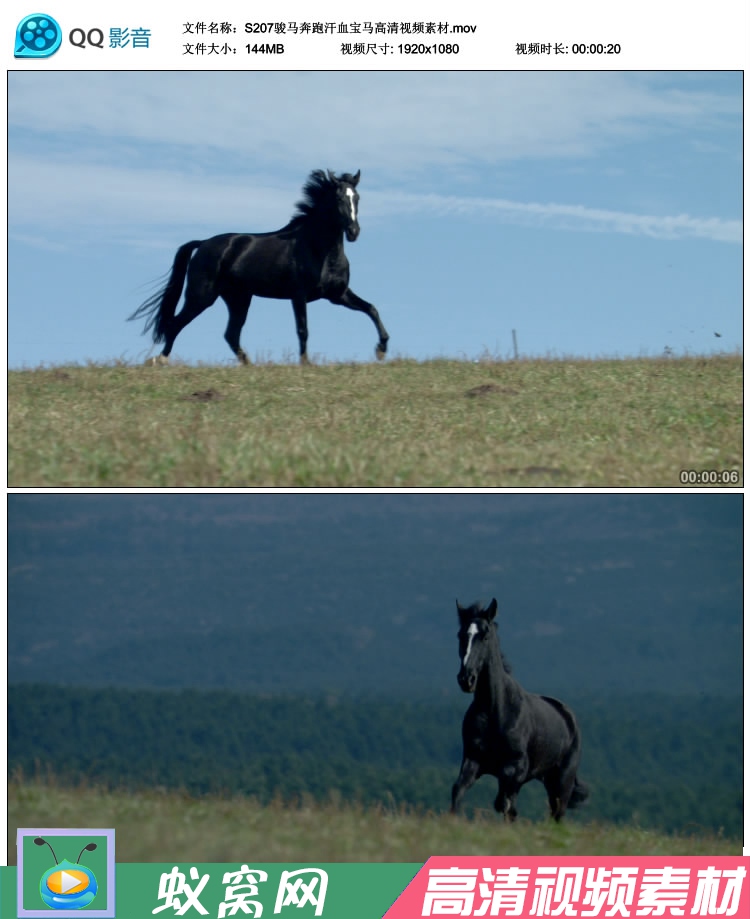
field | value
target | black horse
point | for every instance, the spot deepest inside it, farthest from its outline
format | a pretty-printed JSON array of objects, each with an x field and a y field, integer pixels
[
  {"x": 510, "y": 733},
  {"x": 301, "y": 262}
]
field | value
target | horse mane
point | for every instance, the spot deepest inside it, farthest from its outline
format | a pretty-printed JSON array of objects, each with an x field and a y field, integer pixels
[
  {"x": 315, "y": 191},
  {"x": 504, "y": 659}
]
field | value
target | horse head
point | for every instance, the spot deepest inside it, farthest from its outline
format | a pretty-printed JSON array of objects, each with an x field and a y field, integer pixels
[
  {"x": 347, "y": 202},
  {"x": 474, "y": 634}
]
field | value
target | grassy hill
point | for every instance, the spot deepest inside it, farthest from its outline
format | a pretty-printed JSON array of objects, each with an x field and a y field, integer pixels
[
  {"x": 404, "y": 423},
  {"x": 160, "y": 826}
]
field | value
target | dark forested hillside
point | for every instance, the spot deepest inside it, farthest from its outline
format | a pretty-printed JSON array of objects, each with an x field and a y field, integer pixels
[
  {"x": 355, "y": 593},
  {"x": 658, "y": 761}
]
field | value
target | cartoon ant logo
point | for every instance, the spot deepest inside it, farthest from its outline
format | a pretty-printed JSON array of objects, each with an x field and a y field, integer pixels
[{"x": 67, "y": 885}]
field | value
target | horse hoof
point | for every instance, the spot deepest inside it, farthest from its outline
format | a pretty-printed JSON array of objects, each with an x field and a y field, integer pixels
[
  {"x": 379, "y": 353},
  {"x": 304, "y": 360},
  {"x": 158, "y": 361}
]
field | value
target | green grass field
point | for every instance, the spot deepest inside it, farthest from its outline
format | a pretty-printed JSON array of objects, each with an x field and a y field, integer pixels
[
  {"x": 156, "y": 826},
  {"x": 402, "y": 423}
]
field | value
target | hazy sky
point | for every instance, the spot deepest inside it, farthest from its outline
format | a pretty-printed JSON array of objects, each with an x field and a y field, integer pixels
[
  {"x": 647, "y": 587},
  {"x": 597, "y": 213}
]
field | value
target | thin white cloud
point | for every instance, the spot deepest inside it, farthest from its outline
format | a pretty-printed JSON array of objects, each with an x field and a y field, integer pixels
[
  {"x": 98, "y": 202},
  {"x": 568, "y": 217}
]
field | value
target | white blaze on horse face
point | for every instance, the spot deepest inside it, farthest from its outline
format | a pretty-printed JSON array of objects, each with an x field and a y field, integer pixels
[
  {"x": 350, "y": 192},
  {"x": 472, "y": 631}
]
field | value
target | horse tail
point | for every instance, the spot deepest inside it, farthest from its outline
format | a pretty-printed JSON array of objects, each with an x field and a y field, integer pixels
[
  {"x": 161, "y": 307},
  {"x": 579, "y": 794}
]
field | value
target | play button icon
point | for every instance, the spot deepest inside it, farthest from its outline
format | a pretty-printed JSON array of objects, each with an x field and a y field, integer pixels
[{"x": 69, "y": 881}]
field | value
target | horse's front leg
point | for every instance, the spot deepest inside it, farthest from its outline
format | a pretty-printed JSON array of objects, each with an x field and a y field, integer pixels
[
  {"x": 505, "y": 802},
  {"x": 468, "y": 774},
  {"x": 350, "y": 300},
  {"x": 299, "y": 303},
  {"x": 509, "y": 783}
]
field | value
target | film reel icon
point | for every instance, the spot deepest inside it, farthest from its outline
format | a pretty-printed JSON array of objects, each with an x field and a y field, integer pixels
[{"x": 38, "y": 35}]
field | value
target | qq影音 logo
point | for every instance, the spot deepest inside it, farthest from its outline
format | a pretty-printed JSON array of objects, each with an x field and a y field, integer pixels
[
  {"x": 61, "y": 872},
  {"x": 37, "y": 35}
]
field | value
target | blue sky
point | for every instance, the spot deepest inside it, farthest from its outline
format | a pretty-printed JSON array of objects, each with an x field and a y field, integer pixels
[{"x": 596, "y": 213}]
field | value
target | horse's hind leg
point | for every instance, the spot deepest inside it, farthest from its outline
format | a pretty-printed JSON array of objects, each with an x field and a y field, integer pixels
[
  {"x": 197, "y": 299},
  {"x": 560, "y": 782},
  {"x": 238, "y": 304},
  {"x": 350, "y": 300},
  {"x": 559, "y": 785},
  {"x": 468, "y": 774}
]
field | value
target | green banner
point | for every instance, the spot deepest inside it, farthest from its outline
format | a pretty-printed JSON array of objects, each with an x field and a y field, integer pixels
[{"x": 297, "y": 891}]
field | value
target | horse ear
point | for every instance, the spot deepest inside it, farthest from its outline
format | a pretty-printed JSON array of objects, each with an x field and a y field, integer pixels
[
  {"x": 491, "y": 610},
  {"x": 460, "y": 610},
  {"x": 355, "y": 182},
  {"x": 331, "y": 176}
]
